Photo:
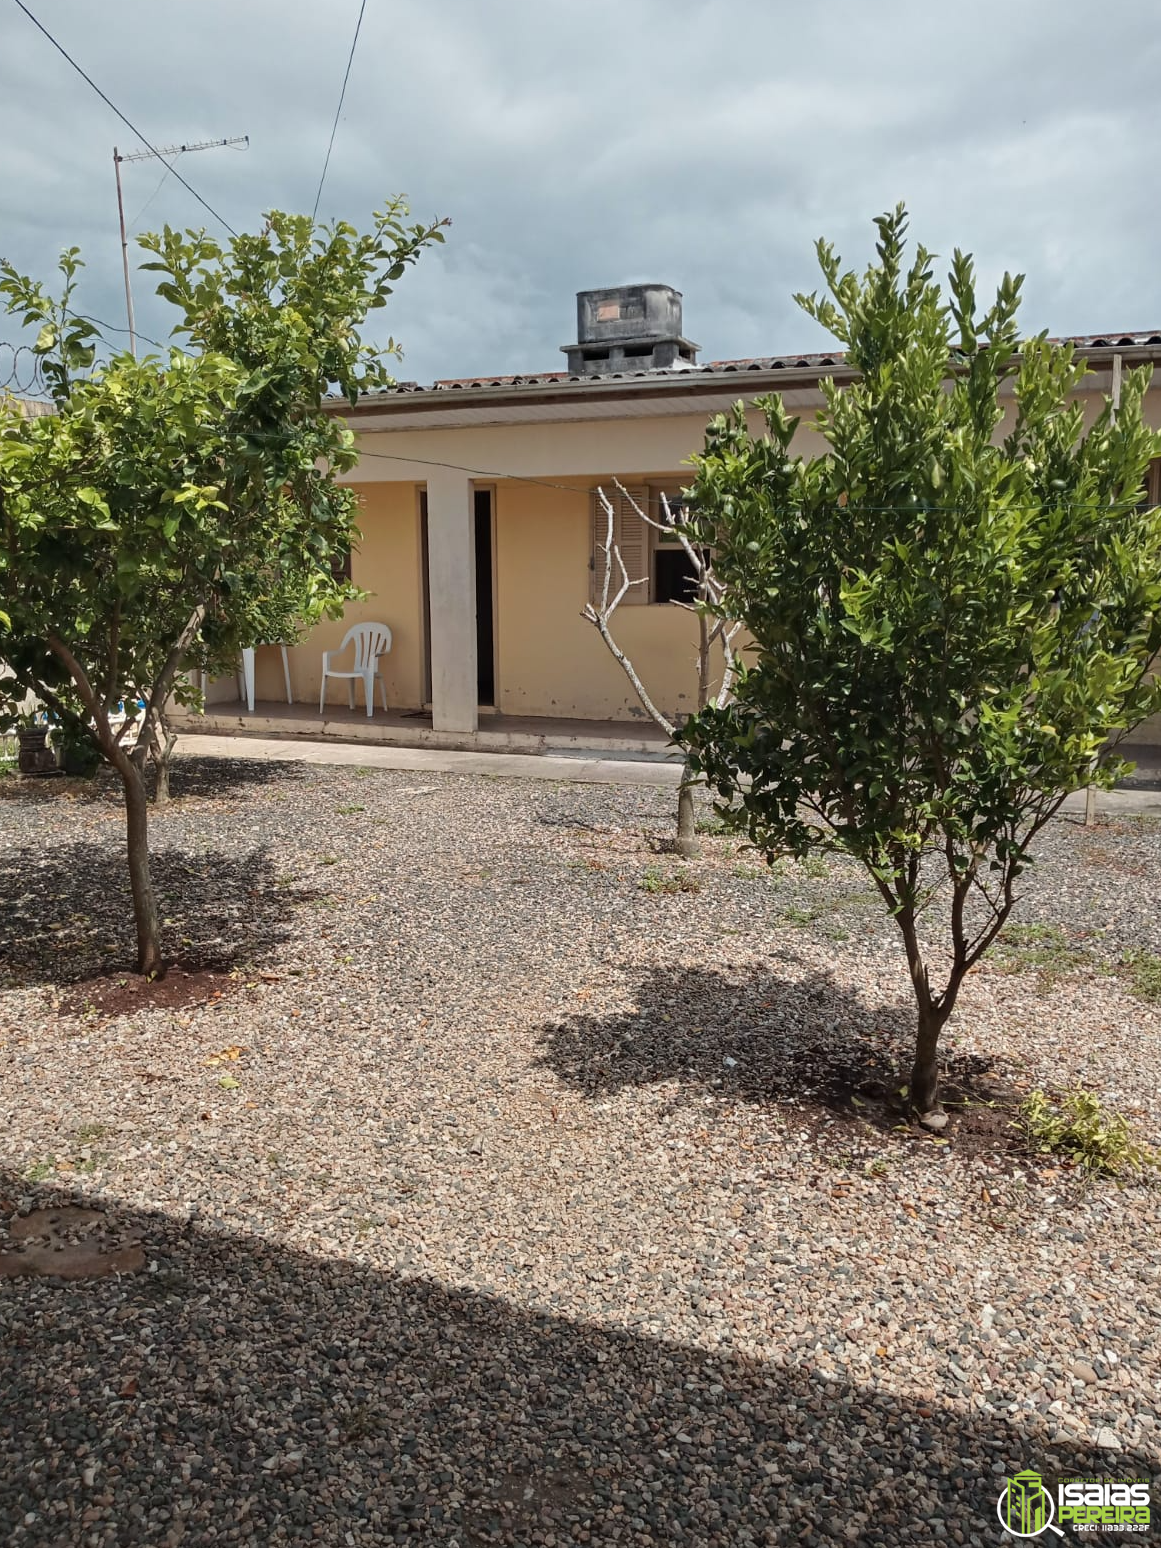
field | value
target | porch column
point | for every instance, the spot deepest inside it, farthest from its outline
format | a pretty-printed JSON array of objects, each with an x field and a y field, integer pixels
[{"x": 451, "y": 570}]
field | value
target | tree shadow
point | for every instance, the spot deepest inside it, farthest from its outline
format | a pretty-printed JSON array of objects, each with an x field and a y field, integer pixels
[
  {"x": 766, "y": 1039},
  {"x": 66, "y": 913},
  {"x": 211, "y": 778},
  {"x": 189, "y": 778},
  {"x": 243, "y": 1390}
]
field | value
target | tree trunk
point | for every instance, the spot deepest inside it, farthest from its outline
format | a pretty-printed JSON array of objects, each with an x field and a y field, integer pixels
[
  {"x": 149, "y": 961},
  {"x": 925, "y": 1071},
  {"x": 163, "y": 745},
  {"x": 686, "y": 820}
]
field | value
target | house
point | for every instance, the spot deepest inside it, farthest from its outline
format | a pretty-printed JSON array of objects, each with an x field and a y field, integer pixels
[{"x": 478, "y": 543}]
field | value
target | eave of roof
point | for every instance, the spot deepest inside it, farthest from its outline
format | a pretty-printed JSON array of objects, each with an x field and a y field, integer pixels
[{"x": 763, "y": 372}]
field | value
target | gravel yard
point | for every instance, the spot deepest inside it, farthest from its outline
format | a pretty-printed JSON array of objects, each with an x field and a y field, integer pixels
[{"x": 503, "y": 1179}]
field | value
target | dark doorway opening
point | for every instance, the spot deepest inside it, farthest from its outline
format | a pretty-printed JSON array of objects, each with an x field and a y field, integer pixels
[
  {"x": 425, "y": 575},
  {"x": 485, "y": 647}
]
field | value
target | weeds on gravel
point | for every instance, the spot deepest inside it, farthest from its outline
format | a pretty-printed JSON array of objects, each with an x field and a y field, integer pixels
[
  {"x": 655, "y": 880},
  {"x": 1078, "y": 1127},
  {"x": 1041, "y": 948},
  {"x": 349, "y": 811},
  {"x": 1144, "y": 974},
  {"x": 794, "y": 915},
  {"x": 1143, "y": 822},
  {"x": 88, "y": 1132},
  {"x": 749, "y": 872}
]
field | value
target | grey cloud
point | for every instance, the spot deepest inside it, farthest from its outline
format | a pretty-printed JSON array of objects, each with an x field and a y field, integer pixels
[{"x": 576, "y": 145}]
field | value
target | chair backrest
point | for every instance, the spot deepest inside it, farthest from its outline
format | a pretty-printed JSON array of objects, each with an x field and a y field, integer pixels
[{"x": 370, "y": 640}]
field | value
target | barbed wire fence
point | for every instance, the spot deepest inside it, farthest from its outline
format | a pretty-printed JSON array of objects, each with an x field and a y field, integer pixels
[{"x": 20, "y": 371}]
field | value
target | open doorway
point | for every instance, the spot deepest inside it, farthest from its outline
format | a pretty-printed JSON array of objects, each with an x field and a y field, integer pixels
[
  {"x": 485, "y": 604},
  {"x": 485, "y": 630}
]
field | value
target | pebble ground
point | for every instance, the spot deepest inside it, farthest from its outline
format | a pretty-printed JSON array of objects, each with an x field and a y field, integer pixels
[{"x": 517, "y": 1187}]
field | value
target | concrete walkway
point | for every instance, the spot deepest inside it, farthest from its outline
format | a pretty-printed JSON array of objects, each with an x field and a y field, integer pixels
[
  {"x": 1136, "y": 798},
  {"x": 430, "y": 760}
]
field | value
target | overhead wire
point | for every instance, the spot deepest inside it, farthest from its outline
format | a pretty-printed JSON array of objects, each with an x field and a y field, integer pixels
[
  {"x": 878, "y": 510},
  {"x": 339, "y": 109},
  {"x": 129, "y": 124}
]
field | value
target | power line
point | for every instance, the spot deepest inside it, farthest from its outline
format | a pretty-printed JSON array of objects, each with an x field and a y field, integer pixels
[
  {"x": 116, "y": 328},
  {"x": 127, "y": 122},
  {"x": 338, "y": 110}
]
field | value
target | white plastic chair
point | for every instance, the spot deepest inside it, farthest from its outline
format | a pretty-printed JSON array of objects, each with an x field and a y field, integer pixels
[{"x": 371, "y": 640}]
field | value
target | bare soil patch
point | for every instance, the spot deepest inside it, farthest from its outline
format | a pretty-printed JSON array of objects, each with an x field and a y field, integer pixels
[{"x": 113, "y": 994}]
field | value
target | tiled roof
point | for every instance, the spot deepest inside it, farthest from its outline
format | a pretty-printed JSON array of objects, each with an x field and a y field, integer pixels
[{"x": 760, "y": 363}]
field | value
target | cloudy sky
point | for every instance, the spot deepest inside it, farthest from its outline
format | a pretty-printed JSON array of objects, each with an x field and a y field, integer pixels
[{"x": 582, "y": 143}]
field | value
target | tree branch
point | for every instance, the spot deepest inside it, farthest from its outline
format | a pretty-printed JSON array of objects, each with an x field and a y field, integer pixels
[
  {"x": 164, "y": 682},
  {"x": 88, "y": 698}
]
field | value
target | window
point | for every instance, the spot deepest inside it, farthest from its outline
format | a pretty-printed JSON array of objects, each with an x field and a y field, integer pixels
[
  {"x": 673, "y": 579},
  {"x": 631, "y": 539},
  {"x": 654, "y": 560},
  {"x": 341, "y": 564},
  {"x": 1151, "y": 489}
]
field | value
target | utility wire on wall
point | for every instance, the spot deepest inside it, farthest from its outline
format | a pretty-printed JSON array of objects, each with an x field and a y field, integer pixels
[{"x": 338, "y": 110}]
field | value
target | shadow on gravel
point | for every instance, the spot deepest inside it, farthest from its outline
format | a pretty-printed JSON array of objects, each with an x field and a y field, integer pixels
[
  {"x": 246, "y": 1392},
  {"x": 66, "y": 913},
  {"x": 204, "y": 778},
  {"x": 212, "y": 778},
  {"x": 765, "y": 1039}
]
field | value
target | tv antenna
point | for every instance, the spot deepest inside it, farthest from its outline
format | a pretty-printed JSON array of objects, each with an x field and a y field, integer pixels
[{"x": 151, "y": 155}]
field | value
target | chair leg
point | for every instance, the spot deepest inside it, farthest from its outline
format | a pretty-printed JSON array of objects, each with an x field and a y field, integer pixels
[
  {"x": 369, "y": 692},
  {"x": 322, "y": 694},
  {"x": 383, "y": 691},
  {"x": 350, "y": 693}
]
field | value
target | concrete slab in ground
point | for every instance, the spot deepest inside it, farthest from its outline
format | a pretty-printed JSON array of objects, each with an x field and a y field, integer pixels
[
  {"x": 431, "y": 760},
  {"x": 1140, "y": 794}
]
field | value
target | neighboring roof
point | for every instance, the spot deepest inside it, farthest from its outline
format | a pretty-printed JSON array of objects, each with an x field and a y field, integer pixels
[{"x": 815, "y": 364}]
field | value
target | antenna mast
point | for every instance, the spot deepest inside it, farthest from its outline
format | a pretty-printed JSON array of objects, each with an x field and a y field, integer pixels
[{"x": 149, "y": 155}]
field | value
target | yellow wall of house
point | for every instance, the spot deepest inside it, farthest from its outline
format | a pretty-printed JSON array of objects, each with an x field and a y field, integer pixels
[
  {"x": 386, "y": 563},
  {"x": 549, "y": 659}
]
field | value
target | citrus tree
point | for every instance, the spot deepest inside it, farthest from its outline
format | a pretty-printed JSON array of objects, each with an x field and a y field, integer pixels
[
  {"x": 953, "y": 608},
  {"x": 169, "y": 507}
]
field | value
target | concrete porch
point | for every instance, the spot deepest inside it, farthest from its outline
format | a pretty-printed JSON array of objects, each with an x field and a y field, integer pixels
[{"x": 404, "y": 728}]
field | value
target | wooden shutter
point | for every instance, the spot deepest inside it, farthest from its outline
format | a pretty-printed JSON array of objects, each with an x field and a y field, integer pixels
[{"x": 630, "y": 535}]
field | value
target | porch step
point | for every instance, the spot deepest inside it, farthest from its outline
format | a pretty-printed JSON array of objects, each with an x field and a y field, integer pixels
[{"x": 402, "y": 732}]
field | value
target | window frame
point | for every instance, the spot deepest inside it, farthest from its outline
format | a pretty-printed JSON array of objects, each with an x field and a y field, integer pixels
[{"x": 657, "y": 540}]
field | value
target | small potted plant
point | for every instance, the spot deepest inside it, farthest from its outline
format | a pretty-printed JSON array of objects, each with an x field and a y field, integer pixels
[{"x": 34, "y": 755}]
